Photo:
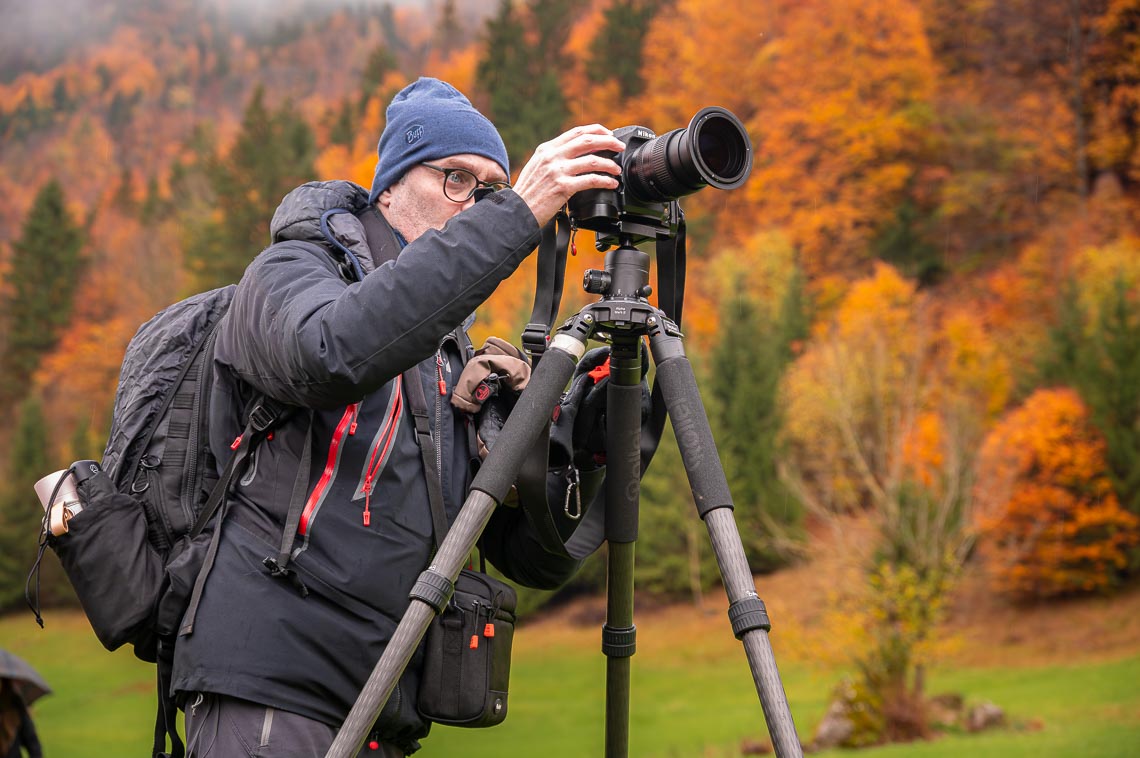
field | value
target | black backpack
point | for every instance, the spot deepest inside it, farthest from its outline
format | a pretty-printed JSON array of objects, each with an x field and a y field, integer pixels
[{"x": 138, "y": 552}]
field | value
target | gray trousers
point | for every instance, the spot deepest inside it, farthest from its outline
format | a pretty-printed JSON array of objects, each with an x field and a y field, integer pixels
[{"x": 218, "y": 726}]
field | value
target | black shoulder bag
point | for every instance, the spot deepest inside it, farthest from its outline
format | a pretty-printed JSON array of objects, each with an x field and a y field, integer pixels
[{"x": 467, "y": 654}]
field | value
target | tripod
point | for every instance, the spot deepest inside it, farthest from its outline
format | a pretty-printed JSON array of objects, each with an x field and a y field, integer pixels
[{"x": 623, "y": 317}]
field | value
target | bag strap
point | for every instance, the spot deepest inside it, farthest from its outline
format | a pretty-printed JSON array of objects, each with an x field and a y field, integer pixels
[
  {"x": 166, "y": 719},
  {"x": 551, "y": 273},
  {"x": 414, "y": 388},
  {"x": 279, "y": 566},
  {"x": 266, "y": 413}
]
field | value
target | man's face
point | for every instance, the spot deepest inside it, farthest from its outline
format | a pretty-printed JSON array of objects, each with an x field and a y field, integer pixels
[{"x": 417, "y": 202}]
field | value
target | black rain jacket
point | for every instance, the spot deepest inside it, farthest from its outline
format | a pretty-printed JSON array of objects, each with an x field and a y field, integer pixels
[{"x": 299, "y": 332}]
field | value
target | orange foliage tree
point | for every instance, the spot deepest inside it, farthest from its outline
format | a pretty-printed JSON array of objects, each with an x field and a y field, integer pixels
[{"x": 1049, "y": 523}]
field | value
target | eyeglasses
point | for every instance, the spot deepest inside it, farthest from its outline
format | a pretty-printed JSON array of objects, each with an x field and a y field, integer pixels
[{"x": 459, "y": 184}]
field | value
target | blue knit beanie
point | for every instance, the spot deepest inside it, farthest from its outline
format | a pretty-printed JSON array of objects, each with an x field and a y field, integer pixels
[{"x": 429, "y": 120}]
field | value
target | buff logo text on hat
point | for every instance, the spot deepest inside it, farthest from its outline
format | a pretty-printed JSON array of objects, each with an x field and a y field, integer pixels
[{"x": 414, "y": 133}]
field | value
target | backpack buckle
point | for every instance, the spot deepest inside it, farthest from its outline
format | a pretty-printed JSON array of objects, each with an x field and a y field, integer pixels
[
  {"x": 278, "y": 571},
  {"x": 261, "y": 417}
]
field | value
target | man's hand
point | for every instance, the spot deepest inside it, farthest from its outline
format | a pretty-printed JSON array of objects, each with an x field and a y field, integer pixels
[{"x": 566, "y": 165}]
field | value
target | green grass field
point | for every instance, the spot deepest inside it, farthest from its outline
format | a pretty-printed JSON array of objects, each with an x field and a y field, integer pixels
[{"x": 690, "y": 697}]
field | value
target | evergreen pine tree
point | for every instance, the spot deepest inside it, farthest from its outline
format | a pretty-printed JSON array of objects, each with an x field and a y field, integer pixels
[
  {"x": 60, "y": 98},
  {"x": 744, "y": 379},
  {"x": 521, "y": 81},
  {"x": 20, "y": 512},
  {"x": 124, "y": 199},
  {"x": 449, "y": 30},
  {"x": 343, "y": 129},
  {"x": 36, "y": 305},
  {"x": 1111, "y": 386},
  {"x": 120, "y": 113},
  {"x": 273, "y": 154},
  {"x": 152, "y": 205},
  {"x": 502, "y": 73},
  {"x": 379, "y": 64},
  {"x": 616, "y": 51},
  {"x": 1060, "y": 363},
  {"x": 1101, "y": 360},
  {"x": 903, "y": 244},
  {"x": 674, "y": 556},
  {"x": 552, "y": 20}
]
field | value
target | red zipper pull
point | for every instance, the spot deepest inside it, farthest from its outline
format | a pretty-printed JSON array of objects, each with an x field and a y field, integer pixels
[
  {"x": 367, "y": 500},
  {"x": 439, "y": 369},
  {"x": 355, "y": 414}
]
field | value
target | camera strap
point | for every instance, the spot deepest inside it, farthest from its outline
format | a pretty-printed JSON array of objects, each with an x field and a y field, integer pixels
[
  {"x": 549, "y": 280},
  {"x": 671, "y": 299},
  {"x": 671, "y": 270}
]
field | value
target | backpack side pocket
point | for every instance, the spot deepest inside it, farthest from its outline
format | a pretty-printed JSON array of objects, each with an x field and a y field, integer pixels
[{"x": 116, "y": 573}]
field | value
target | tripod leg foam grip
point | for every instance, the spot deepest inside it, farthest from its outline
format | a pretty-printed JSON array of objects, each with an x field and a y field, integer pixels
[
  {"x": 531, "y": 413},
  {"x": 694, "y": 437},
  {"x": 623, "y": 457}
]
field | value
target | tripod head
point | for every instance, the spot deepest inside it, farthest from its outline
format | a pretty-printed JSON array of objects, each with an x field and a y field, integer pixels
[{"x": 626, "y": 274}]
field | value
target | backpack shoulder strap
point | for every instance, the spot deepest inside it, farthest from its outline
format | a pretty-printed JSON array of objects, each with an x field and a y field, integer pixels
[
  {"x": 414, "y": 388},
  {"x": 279, "y": 566},
  {"x": 266, "y": 414}
]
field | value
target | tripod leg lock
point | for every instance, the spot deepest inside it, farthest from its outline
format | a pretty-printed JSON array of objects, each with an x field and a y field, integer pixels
[
  {"x": 619, "y": 642},
  {"x": 433, "y": 588},
  {"x": 747, "y": 614}
]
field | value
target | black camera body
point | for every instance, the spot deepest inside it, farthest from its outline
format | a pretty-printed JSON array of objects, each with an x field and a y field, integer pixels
[{"x": 714, "y": 150}]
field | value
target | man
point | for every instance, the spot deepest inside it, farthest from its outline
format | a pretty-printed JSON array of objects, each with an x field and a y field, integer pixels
[{"x": 355, "y": 291}]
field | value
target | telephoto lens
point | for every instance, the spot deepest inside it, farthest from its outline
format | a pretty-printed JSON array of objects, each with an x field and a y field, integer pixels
[{"x": 714, "y": 150}]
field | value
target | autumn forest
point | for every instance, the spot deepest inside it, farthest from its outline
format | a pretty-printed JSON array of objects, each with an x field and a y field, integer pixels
[{"x": 922, "y": 309}]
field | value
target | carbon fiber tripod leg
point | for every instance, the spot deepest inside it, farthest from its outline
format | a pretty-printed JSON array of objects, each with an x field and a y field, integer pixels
[
  {"x": 434, "y": 586},
  {"x": 746, "y": 611},
  {"x": 623, "y": 472}
]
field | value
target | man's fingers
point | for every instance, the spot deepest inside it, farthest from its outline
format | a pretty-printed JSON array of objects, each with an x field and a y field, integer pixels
[
  {"x": 593, "y": 143},
  {"x": 575, "y": 184},
  {"x": 590, "y": 163},
  {"x": 578, "y": 132},
  {"x": 572, "y": 145}
]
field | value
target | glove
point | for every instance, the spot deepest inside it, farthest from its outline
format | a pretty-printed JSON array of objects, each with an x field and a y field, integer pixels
[
  {"x": 578, "y": 434},
  {"x": 488, "y": 388},
  {"x": 497, "y": 364},
  {"x": 491, "y": 418}
]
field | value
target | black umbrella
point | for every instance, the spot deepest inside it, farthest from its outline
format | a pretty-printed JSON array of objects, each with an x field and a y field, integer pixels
[{"x": 27, "y": 682}]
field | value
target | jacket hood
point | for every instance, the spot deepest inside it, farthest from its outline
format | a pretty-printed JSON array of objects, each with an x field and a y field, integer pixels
[{"x": 300, "y": 214}]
